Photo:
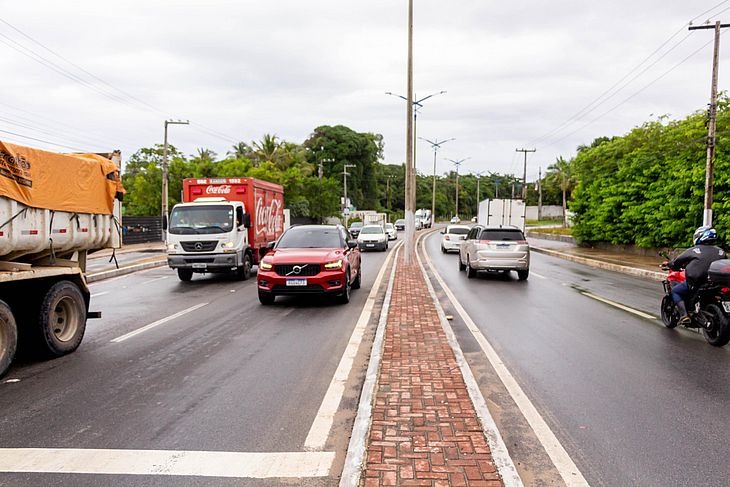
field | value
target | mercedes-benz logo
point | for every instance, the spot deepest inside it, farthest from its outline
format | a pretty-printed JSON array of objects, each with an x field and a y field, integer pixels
[{"x": 198, "y": 246}]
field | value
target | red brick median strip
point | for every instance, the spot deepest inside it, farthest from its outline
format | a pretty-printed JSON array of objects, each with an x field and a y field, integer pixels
[{"x": 425, "y": 430}]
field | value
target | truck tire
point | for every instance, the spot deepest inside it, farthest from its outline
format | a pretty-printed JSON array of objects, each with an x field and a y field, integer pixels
[
  {"x": 244, "y": 271},
  {"x": 185, "y": 275},
  {"x": 8, "y": 337},
  {"x": 62, "y": 319}
]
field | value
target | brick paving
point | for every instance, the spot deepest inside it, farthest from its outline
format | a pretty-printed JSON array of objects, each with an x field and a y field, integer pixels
[{"x": 425, "y": 430}]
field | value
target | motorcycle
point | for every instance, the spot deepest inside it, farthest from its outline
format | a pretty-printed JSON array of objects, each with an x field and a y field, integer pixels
[{"x": 708, "y": 306}]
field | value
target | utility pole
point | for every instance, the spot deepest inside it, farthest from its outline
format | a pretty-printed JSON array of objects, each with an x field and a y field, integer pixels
[
  {"x": 387, "y": 189},
  {"x": 435, "y": 145},
  {"x": 409, "y": 255},
  {"x": 479, "y": 178},
  {"x": 165, "y": 200},
  {"x": 712, "y": 125},
  {"x": 345, "y": 206},
  {"x": 457, "y": 164},
  {"x": 539, "y": 195},
  {"x": 524, "y": 173}
]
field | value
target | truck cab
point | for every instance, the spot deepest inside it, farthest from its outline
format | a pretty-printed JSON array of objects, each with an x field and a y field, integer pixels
[{"x": 209, "y": 235}]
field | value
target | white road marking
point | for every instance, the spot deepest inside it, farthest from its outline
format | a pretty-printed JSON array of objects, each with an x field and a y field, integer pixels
[
  {"x": 157, "y": 323},
  {"x": 322, "y": 424},
  {"x": 167, "y": 462},
  {"x": 619, "y": 306},
  {"x": 95, "y": 295},
  {"x": 537, "y": 275},
  {"x": 154, "y": 280},
  {"x": 563, "y": 463}
]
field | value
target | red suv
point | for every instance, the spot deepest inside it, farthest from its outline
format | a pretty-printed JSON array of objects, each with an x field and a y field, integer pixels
[{"x": 310, "y": 259}]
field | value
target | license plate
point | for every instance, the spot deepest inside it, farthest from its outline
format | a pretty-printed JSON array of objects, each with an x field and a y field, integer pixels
[
  {"x": 726, "y": 306},
  {"x": 503, "y": 246},
  {"x": 200, "y": 266},
  {"x": 296, "y": 282},
  {"x": 369, "y": 245}
]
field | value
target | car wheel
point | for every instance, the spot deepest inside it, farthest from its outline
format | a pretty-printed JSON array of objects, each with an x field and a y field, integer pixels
[
  {"x": 266, "y": 297},
  {"x": 461, "y": 264},
  {"x": 344, "y": 298},
  {"x": 443, "y": 250},
  {"x": 522, "y": 275},
  {"x": 358, "y": 279},
  {"x": 470, "y": 271}
]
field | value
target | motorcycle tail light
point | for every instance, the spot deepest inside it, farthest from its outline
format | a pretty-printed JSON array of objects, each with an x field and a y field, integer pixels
[{"x": 725, "y": 290}]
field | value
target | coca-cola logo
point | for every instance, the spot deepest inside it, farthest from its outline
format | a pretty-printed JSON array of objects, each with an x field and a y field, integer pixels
[
  {"x": 222, "y": 189},
  {"x": 269, "y": 219}
]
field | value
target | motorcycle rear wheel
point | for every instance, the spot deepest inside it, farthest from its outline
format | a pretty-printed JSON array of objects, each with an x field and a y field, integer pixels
[
  {"x": 670, "y": 317},
  {"x": 718, "y": 334}
]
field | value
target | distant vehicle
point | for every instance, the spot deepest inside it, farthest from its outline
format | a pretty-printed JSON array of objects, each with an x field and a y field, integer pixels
[
  {"x": 425, "y": 216},
  {"x": 400, "y": 224},
  {"x": 453, "y": 235},
  {"x": 372, "y": 237},
  {"x": 355, "y": 229},
  {"x": 502, "y": 248},
  {"x": 390, "y": 231},
  {"x": 310, "y": 259},
  {"x": 375, "y": 219},
  {"x": 418, "y": 223},
  {"x": 455, "y": 220}
]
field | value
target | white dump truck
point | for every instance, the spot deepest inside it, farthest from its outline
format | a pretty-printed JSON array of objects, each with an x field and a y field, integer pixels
[{"x": 54, "y": 209}]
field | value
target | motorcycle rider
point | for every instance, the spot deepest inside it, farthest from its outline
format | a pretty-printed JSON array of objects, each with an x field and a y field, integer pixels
[{"x": 696, "y": 262}]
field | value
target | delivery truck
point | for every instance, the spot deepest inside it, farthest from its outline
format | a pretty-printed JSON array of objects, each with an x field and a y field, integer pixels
[
  {"x": 223, "y": 225},
  {"x": 54, "y": 210}
]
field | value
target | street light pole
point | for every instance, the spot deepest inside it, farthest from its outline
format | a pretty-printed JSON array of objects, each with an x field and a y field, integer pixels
[
  {"x": 479, "y": 178},
  {"x": 165, "y": 201},
  {"x": 457, "y": 164},
  {"x": 436, "y": 145},
  {"x": 524, "y": 173},
  {"x": 345, "y": 206}
]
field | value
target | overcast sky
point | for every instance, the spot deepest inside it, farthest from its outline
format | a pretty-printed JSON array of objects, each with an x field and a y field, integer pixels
[{"x": 97, "y": 75}]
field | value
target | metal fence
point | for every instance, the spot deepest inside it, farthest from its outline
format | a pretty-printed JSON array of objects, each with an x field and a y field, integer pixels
[{"x": 141, "y": 229}]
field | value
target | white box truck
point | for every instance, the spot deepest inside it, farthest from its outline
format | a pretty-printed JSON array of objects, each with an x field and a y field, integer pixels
[{"x": 54, "y": 209}]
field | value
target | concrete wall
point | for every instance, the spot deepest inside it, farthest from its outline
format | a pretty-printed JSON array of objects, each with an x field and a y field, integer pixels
[{"x": 548, "y": 212}]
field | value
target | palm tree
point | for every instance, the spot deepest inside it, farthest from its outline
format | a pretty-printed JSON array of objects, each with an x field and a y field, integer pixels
[
  {"x": 241, "y": 151},
  {"x": 561, "y": 173},
  {"x": 267, "y": 149}
]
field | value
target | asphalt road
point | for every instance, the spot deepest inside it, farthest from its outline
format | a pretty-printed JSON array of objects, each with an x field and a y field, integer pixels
[
  {"x": 632, "y": 402},
  {"x": 229, "y": 375}
]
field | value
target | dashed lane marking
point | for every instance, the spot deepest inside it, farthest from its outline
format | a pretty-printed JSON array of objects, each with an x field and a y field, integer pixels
[
  {"x": 157, "y": 323},
  {"x": 167, "y": 462},
  {"x": 619, "y": 306}
]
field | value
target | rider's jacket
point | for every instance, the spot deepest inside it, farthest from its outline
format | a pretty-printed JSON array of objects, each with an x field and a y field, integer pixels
[{"x": 696, "y": 262}]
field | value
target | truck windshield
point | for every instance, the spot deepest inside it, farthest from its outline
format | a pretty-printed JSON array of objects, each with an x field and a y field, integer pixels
[{"x": 201, "y": 219}]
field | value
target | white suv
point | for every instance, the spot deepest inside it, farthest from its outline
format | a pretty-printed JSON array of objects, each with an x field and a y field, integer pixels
[{"x": 502, "y": 248}]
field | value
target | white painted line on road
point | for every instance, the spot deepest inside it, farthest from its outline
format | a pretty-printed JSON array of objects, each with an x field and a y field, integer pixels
[
  {"x": 167, "y": 462},
  {"x": 155, "y": 280},
  {"x": 563, "y": 463},
  {"x": 619, "y": 306},
  {"x": 537, "y": 275},
  {"x": 95, "y": 295},
  {"x": 322, "y": 424},
  {"x": 158, "y": 323},
  {"x": 355, "y": 458},
  {"x": 500, "y": 454}
]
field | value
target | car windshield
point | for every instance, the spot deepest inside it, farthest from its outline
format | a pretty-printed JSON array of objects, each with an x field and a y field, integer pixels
[
  {"x": 204, "y": 219},
  {"x": 458, "y": 230},
  {"x": 400, "y": 222},
  {"x": 501, "y": 234},
  {"x": 310, "y": 238},
  {"x": 356, "y": 225},
  {"x": 371, "y": 230},
  {"x": 389, "y": 226}
]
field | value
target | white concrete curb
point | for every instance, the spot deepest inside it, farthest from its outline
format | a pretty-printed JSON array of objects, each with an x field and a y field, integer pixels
[
  {"x": 647, "y": 274},
  {"x": 148, "y": 264}
]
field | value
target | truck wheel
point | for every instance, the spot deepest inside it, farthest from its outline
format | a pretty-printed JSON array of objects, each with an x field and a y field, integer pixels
[
  {"x": 62, "y": 318},
  {"x": 244, "y": 271},
  {"x": 185, "y": 275},
  {"x": 8, "y": 337}
]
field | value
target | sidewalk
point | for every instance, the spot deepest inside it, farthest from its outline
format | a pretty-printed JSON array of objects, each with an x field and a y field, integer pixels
[{"x": 425, "y": 430}]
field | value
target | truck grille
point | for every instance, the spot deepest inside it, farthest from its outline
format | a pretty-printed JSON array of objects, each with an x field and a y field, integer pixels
[
  {"x": 201, "y": 246},
  {"x": 288, "y": 269}
]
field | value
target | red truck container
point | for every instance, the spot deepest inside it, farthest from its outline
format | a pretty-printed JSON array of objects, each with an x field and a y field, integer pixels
[{"x": 248, "y": 214}]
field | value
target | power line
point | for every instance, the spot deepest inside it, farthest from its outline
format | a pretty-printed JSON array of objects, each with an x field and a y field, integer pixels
[{"x": 76, "y": 149}]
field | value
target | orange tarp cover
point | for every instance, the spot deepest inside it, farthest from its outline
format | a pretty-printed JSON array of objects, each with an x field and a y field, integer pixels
[{"x": 80, "y": 183}]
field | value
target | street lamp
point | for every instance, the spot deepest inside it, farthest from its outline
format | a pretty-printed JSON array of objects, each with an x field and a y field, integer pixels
[
  {"x": 436, "y": 145},
  {"x": 164, "y": 168},
  {"x": 457, "y": 164},
  {"x": 345, "y": 207},
  {"x": 479, "y": 177}
]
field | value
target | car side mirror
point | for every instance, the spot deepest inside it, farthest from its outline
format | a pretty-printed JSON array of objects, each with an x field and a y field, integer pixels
[
  {"x": 352, "y": 244},
  {"x": 247, "y": 220},
  {"x": 270, "y": 245},
  {"x": 164, "y": 222},
  {"x": 443, "y": 232}
]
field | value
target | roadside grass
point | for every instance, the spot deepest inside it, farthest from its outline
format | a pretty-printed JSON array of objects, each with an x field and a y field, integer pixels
[{"x": 556, "y": 231}]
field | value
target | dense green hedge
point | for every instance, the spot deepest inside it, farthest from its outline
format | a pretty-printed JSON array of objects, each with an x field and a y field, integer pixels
[{"x": 647, "y": 187}]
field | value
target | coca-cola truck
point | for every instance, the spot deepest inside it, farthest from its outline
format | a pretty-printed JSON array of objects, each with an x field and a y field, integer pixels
[{"x": 223, "y": 225}]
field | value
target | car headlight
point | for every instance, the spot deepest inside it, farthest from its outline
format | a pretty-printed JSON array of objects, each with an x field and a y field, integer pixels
[
  {"x": 336, "y": 264},
  {"x": 265, "y": 266},
  {"x": 171, "y": 247}
]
